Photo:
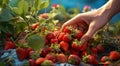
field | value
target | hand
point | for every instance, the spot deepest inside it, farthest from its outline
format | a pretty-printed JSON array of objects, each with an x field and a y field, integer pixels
[{"x": 91, "y": 22}]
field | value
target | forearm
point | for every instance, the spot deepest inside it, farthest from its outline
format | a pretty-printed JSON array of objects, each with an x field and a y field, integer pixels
[{"x": 110, "y": 9}]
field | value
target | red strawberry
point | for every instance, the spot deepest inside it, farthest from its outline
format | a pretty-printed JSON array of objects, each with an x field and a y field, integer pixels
[
  {"x": 114, "y": 55},
  {"x": 104, "y": 58},
  {"x": 91, "y": 59},
  {"x": 75, "y": 46},
  {"x": 45, "y": 51},
  {"x": 51, "y": 57},
  {"x": 9, "y": 45},
  {"x": 54, "y": 41},
  {"x": 100, "y": 48},
  {"x": 47, "y": 63},
  {"x": 61, "y": 58},
  {"x": 67, "y": 38},
  {"x": 74, "y": 59},
  {"x": 107, "y": 63},
  {"x": 32, "y": 62},
  {"x": 78, "y": 34},
  {"x": 94, "y": 50},
  {"x": 60, "y": 37},
  {"x": 39, "y": 61},
  {"x": 44, "y": 15},
  {"x": 22, "y": 53},
  {"x": 50, "y": 36},
  {"x": 34, "y": 26},
  {"x": 55, "y": 6},
  {"x": 64, "y": 45},
  {"x": 83, "y": 47},
  {"x": 67, "y": 29}
]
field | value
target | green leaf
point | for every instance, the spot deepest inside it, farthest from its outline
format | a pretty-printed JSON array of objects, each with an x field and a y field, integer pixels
[
  {"x": 36, "y": 41},
  {"x": 20, "y": 26},
  {"x": 22, "y": 8}
]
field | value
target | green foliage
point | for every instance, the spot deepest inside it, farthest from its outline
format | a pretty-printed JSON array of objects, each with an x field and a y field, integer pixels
[{"x": 36, "y": 41}]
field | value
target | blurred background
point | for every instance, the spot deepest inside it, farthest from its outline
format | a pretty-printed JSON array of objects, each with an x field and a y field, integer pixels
[{"x": 94, "y": 4}]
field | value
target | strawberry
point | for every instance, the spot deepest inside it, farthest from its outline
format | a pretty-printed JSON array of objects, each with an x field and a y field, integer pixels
[
  {"x": 92, "y": 60},
  {"x": 114, "y": 55},
  {"x": 83, "y": 47},
  {"x": 51, "y": 57},
  {"x": 67, "y": 38},
  {"x": 64, "y": 46},
  {"x": 45, "y": 51},
  {"x": 55, "y": 6},
  {"x": 47, "y": 63},
  {"x": 39, "y": 61},
  {"x": 107, "y": 63},
  {"x": 9, "y": 45},
  {"x": 76, "y": 45},
  {"x": 32, "y": 62},
  {"x": 67, "y": 29},
  {"x": 54, "y": 41},
  {"x": 100, "y": 48},
  {"x": 34, "y": 26},
  {"x": 60, "y": 37},
  {"x": 61, "y": 58},
  {"x": 94, "y": 50},
  {"x": 74, "y": 59},
  {"x": 50, "y": 36},
  {"x": 22, "y": 53},
  {"x": 104, "y": 58},
  {"x": 77, "y": 34},
  {"x": 44, "y": 15}
]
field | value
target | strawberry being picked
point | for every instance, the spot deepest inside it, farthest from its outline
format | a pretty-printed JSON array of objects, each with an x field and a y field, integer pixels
[
  {"x": 22, "y": 53},
  {"x": 9, "y": 45}
]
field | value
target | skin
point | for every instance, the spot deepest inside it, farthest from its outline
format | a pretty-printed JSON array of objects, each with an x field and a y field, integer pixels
[{"x": 95, "y": 19}]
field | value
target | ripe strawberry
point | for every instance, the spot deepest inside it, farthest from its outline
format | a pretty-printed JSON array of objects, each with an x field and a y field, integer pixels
[
  {"x": 22, "y": 53},
  {"x": 107, "y": 63},
  {"x": 39, "y": 61},
  {"x": 32, "y": 62},
  {"x": 61, "y": 58},
  {"x": 67, "y": 29},
  {"x": 64, "y": 46},
  {"x": 94, "y": 50},
  {"x": 74, "y": 59},
  {"x": 104, "y": 58},
  {"x": 67, "y": 38},
  {"x": 9, "y": 45},
  {"x": 34, "y": 26},
  {"x": 60, "y": 37},
  {"x": 51, "y": 57},
  {"x": 75, "y": 46},
  {"x": 54, "y": 41},
  {"x": 100, "y": 48},
  {"x": 55, "y": 6},
  {"x": 83, "y": 47},
  {"x": 92, "y": 60},
  {"x": 45, "y": 51},
  {"x": 47, "y": 63},
  {"x": 77, "y": 34},
  {"x": 114, "y": 55},
  {"x": 44, "y": 15},
  {"x": 50, "y": 36}
]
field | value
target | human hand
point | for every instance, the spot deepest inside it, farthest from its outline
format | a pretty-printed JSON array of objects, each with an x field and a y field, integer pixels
[{"x": 90, "y": 22}]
